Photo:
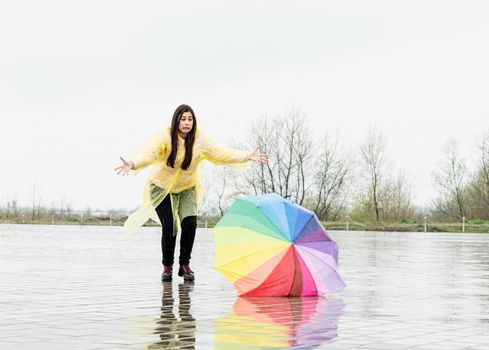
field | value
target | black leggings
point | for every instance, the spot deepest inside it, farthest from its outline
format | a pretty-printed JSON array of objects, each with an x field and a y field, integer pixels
[{"x": 168, "y": 240}]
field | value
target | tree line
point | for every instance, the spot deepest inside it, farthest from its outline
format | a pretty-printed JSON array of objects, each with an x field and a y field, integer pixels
[
  {"x": 362, "y": 183},
  {"x": 462, "y": 192}
]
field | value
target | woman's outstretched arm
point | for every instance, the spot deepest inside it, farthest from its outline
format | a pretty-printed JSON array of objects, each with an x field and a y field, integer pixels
[
  {"x": 151, "y": 151},
  {"x": 218, "y": 154}
]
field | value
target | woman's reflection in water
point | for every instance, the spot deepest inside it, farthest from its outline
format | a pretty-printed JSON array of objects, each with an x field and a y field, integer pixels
[{"x": 175, "y": 331}]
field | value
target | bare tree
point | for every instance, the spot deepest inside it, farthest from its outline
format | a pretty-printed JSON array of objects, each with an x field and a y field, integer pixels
[
  {"x": 331, "y": 180},
  {"x": 396, "y": 199},
  {"x": 302, "y": 152},
  {"x": 381, "y": 196},
  {"x": 208, "y": 189},
  {"x": 65, "y": 204},
  {"x": 12, "y": 206},
  {"x": 220, "y": 194},
  {"x": 374, "y": 167},
  {"x": 35, "y": 202},
  {"x": 478, "y": 189},
  {"x": 450, "y": 180},
  {"x": 286, "y": 139},
  {"x": 52, "y": 210},
  {"x": 484, "y": 167}
]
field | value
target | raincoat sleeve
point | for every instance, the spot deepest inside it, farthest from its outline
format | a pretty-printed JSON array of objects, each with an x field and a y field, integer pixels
[
  {"x": 218, "y": 154},
  {"x": 153, "y": 150}
]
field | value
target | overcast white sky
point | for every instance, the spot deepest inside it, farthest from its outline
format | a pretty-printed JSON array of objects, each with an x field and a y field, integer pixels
[{"x": 84, "y": 81}]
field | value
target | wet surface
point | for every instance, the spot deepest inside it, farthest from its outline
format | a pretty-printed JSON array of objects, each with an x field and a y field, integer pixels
[{"x": 80, "y": 287}]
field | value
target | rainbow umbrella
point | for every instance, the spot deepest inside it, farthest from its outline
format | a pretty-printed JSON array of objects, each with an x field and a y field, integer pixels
[{"x": 268, "y": 246}]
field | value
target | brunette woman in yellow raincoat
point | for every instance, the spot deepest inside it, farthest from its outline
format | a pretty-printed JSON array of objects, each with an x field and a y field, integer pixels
[{"x": 173, "y": 192}]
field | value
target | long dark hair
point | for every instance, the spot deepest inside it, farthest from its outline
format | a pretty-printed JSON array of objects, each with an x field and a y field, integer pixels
[{"x": 189, "y": 140}]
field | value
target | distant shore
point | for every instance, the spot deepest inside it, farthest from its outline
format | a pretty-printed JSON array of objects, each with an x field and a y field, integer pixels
[{"x": 476, "y": 226}]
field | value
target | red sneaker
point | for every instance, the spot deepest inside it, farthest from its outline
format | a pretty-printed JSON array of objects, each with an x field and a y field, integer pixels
[{"x": 185, "y": 272}]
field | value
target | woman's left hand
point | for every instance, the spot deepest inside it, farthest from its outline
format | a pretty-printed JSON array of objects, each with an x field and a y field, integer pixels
[{"x": 258, "y": 157}]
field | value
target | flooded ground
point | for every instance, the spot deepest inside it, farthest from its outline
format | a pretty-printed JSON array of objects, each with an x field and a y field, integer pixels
[{"x": 82, "y": 287}]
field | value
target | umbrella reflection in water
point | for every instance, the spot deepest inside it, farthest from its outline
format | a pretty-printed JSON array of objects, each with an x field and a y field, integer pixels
[{"x": 278, "y": 322}]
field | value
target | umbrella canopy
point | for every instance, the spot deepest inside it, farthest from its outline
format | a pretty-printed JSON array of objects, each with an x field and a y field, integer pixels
[
  {"x": 277, "y": 323},
  {"x": 269, "y": 246}
]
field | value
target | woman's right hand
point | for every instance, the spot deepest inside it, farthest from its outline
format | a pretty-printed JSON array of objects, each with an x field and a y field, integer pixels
[{"x": 125, "y": 167}]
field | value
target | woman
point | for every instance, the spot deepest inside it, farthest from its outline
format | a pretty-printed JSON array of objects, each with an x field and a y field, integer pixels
[{"x": 173, "y": 191}]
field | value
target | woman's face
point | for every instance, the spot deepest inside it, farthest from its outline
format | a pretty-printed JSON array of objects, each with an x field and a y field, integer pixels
[{"x": 186, "y": 123}]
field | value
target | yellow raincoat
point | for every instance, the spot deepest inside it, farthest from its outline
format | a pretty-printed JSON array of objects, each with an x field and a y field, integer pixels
[{"x": 175, "y": 180}]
